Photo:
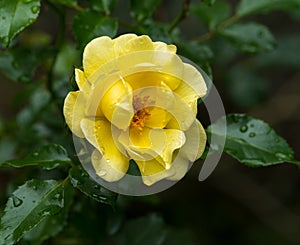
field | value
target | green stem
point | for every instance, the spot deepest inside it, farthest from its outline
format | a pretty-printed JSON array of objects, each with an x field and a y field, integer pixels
[
  {"x": 209, "y": 35},
  {"x": 180, "y": 16}
]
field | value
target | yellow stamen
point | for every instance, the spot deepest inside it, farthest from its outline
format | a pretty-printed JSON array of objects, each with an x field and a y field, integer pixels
[{"x": 141, "y": 113}]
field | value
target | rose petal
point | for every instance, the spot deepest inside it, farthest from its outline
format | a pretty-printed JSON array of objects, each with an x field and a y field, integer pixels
[
  {"x": 191, "y": 150},
  {"x": 108, "y": 156},
  {"x": 161, "y": 46},
  {"x": 105, "y": 169},
  {"x": 74, "y": 106},
  {"x": 152, "y": 171},
  {"x": 96, "y": 53},
  {"x": 116, "y": 104}
]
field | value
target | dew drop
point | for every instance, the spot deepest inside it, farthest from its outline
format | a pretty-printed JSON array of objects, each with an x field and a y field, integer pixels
[
  {"x": 95, "y": 157},
  {"x": 57, "y": 196},
  {"x": 252, "y": 134},
  {"x": 281, "y": 156},
  {"x": 5, "y": 40},
  {"x": 244, "y": 128},
  {"x": 35, "y": 9},
  {"x": 17, "y": 202},
  {"x": 102, "y": 172}
]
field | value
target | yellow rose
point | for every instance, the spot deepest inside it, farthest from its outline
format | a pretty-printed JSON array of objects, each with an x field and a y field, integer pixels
[{"x": 137, "y": 100}]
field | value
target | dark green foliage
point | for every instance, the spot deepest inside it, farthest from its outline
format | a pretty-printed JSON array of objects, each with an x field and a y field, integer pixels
[{"x": 48, "y": 198}]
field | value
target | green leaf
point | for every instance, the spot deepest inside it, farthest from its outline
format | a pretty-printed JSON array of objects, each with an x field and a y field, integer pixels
[
  {"x": 252, "y": 141},
  {"x": 212, "y": 16},
  {"x": 70, "y": 3},
  {"x": 53, "y": 224},
  {"x": 39, "y": 101},
  {"x": 28, "y": 206},
  {"x": 250, "y": 37},
  {"x": 209, "y": 2},
  {"x": 247, "y": 7},
  {"x": 147, "y": 230},
  {"x": 105, "y": 6},
  {"x": 81, "y": 180},
  {"x": 197, "y": 52},
  {"x": 15, "y": 15},
  {"x": 89, "y": 24},
  {"x": 47, "y": 157},
  {"x": 245, "y": 87},
  {"x": 142, "y": 10}
]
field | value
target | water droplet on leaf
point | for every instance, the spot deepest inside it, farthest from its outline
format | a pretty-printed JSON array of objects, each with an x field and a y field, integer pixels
[
  {"x": 17, "y": 202},
  {"x": 244, "y": 128},
  {"x": 57, "y": 196},
  {"x": 35, "y": 9},
  {"x": 252, "y": 134},
  {"x": 5, "y": 40},
  {"x": 281, "y": 156}
]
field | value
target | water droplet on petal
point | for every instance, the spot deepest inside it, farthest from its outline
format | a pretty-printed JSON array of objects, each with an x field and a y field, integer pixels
[
  {"x": 102, "y": 172},
  {"x": 252, "y": 134},
  {"x": 17, "y": 202},
  {"x": 244, "y": 128},
  {"x": 35, "y": 9}
]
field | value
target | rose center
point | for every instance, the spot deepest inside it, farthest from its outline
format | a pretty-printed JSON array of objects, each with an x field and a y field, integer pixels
[{"x": 141, "y": 112}]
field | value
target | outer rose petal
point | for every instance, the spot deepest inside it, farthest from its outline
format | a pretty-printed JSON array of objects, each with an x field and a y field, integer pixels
[
  {"x": 119, "y": 43},
  {"x": 193, "y": 78},
  {"x": 109, "y": 163},
  {"x": 161, "y": 46},
  {"x": 195, "y": 137},
  {"x": 96, "y": 53},
  {"x": 152, "y": 171},
  {"x": 74, "y": 107},
  {"x": 134, "y": 44},
  {"x": 156, "y": 144}
]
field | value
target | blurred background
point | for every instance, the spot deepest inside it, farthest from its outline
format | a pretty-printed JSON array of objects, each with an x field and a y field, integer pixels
[{"x": 236, "y": 204}]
